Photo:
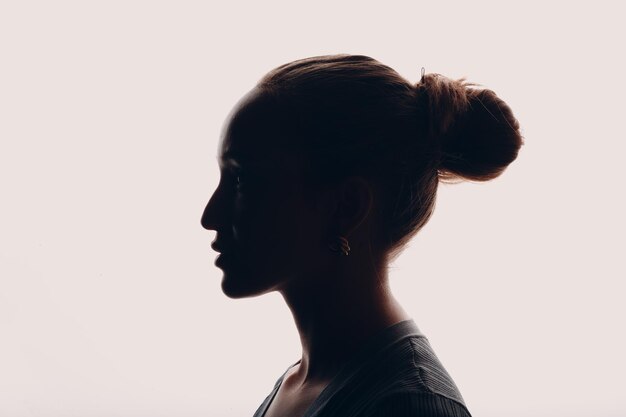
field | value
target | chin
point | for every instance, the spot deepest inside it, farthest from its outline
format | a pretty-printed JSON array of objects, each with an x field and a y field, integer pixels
[{"x": 238, "y": 288}]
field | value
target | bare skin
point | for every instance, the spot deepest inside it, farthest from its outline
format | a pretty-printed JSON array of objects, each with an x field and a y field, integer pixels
[
  {"x": 293, "y": 401},
  {"x": 278, "y": 241}
]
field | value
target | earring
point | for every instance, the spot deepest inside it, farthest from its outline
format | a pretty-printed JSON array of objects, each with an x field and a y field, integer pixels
[{"x": 340, "y": 245}]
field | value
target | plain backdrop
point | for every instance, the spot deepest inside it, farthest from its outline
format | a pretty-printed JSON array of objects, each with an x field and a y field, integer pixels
[{"x": 110, "y": 113}]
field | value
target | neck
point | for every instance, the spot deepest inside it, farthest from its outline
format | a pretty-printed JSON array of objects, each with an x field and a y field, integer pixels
[{"x": 334, "y": 315}]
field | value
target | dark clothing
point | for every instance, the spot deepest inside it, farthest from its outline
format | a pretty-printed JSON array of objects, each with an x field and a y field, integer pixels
[{"x": 394, "y": 374}]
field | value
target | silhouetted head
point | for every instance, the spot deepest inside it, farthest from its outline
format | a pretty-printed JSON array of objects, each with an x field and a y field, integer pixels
[{"x": 343, "y": 145}]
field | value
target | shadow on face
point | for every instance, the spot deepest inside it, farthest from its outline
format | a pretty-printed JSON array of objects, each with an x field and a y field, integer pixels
[{"x": 266, "y": 230}]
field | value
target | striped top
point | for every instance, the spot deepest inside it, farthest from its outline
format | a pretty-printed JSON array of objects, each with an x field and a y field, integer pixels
[{"x": 393, "y": 374}]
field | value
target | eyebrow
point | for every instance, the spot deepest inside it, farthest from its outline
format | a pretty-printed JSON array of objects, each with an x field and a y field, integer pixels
[{"x": 231, "y": 158}]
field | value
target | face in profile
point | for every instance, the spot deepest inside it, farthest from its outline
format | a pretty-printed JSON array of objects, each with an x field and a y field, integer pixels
[{"x": 269, "y": 236}]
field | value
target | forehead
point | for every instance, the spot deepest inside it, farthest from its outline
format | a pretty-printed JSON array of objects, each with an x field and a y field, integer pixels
[{"x": 250, "y": 134}]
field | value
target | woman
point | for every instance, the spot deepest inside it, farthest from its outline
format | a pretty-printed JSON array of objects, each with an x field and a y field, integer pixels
[{"x": 329, "y": 166}]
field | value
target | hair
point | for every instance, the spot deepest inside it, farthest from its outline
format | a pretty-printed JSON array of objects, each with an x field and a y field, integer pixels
[{"x": 352, "y": 115}]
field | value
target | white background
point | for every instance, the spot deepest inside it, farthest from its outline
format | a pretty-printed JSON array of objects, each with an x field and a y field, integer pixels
[{"x": 110, "y": 112}]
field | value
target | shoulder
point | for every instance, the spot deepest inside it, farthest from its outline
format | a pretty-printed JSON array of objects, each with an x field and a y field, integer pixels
[
  {"x": 423, "y": 404},
  {"x": 426, "y": 390},
  {"x": 432, "y": 375}
]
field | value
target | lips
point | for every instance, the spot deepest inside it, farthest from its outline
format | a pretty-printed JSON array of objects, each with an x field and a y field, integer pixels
[
  {"x": 221, "y": 260},
  {"x": 220, "y": 247}
]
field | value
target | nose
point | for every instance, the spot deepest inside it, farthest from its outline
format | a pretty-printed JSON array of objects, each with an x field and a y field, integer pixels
[
  {"x": 209, "y": 215},
  {"x": 203, "y": 220},
  {"x": 218, "y": 213}
]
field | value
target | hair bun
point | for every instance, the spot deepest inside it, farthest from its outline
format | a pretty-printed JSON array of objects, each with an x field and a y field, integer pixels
[{"x": 476, "y": 132}]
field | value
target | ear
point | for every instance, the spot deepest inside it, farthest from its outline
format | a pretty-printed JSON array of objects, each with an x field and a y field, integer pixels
[{"x": 354, "y": 203}]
